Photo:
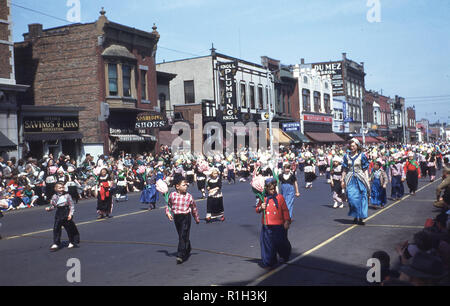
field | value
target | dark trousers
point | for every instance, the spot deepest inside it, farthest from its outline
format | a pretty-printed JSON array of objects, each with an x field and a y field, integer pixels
[
  {"x": 183, "y": 226},
  {"x": 231, "y": 176},
  {"x": 274, "y": 241},
  {"x": 70, "y": 227},
  {"x": 398, "y": 190}
]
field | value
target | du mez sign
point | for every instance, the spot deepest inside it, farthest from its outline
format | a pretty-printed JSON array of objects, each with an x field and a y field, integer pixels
[{"x": 227, "y": 71}]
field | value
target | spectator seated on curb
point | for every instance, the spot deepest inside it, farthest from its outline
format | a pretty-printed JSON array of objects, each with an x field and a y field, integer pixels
[
  {"x": 386, "y": 273},
  {"x": 444, "y": 186},
  {"x": 425, "y": 270}
]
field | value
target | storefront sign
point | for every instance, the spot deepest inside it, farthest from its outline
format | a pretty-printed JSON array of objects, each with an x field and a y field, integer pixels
[
  {"x": 289, "y": 127},
  {"x": 227, "y": 71},
  {"x": 334, "y": 70},
  {"x": 149, "y": 120},
  {"x": 318, "y": 118},
  {"x": 50, "y": 124}
]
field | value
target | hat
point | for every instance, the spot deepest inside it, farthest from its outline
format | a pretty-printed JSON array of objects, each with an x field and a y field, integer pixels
[{"x": 424, "y": 265}]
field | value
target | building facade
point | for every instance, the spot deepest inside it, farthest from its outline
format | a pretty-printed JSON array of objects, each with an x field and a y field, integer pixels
[
  {"x": 315, "y": 103},
  {"x": 9, "y": 89},
  {"x": 106, "y": 70}
]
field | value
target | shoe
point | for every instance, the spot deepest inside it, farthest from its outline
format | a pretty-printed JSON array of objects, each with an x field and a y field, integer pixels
[
  {"x": 179, "y": 260},
  {"x": 54, "y": 247},
  {"x": 100, "y": 217},
  {"x": 72, "y": 246},
  {"x": 355, "y": 221},
  {"x": 341, "y": 206},
  {"x": 361, "y": 222},
  {"x": 335, "y": 205}
]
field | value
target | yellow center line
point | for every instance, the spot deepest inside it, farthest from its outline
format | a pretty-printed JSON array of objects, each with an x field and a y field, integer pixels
[
  {"x": 390, "y": 225},
  {"x": 328, "y": 241}
]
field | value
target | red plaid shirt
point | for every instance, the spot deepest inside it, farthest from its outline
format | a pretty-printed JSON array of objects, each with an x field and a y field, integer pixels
[{"x": 182, "y": 204}]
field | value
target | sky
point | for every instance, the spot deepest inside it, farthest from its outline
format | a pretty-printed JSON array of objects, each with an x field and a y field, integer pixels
[{"x": 404, "y": 44}]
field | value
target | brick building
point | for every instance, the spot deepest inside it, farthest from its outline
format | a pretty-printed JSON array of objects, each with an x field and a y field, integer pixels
[
  {"x": 9, "y": 89},
  {"x": 411, "y": 124},
  {"x": 102, "y": 74}
]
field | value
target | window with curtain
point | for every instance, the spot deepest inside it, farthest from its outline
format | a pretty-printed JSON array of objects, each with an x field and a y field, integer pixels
[
  {"x": 126, "y": 80},
  {"x": 112, "y": 80}
]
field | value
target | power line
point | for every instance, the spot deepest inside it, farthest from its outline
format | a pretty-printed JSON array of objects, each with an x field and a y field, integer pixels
[
  {"x": 428, "y": 97},
  {"x": 39, "y": 12}
]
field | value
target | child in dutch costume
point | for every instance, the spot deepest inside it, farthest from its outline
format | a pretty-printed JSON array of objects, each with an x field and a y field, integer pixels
[
  {"x": 214, "y": 202},
  {"x": 336, "y": 179},
  {"x": 379, "y": 181},
  {"x": 149, "y": 194}
]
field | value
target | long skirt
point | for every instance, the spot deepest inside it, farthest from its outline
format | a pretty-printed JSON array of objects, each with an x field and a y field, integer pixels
[
  {"x": 397, "y": 190},
  {"x": 214, "y": 207},
  {"x": 73, "y": 191},
  {"x": 149, "y": 194},
  {"x": 201, "y": 184},
  {"x": 310, "y": 177},
  {"x": 378, "y": 194},
  {"x": 423, "y": 169},
  {"x": 288, "y": 192},
  {"x": 49, "y": 191},
  {"x": 358, "y": 201},
  {"x": 231, "y": 176},
  {"x": 104, "y": 206},
  {"x": 338, "y": 196},
  {"x": 412, "y": 180},
  {"x": 274, "y": 240}
]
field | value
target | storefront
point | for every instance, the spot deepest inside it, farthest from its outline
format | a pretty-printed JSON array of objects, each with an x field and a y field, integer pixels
[
  {"x": 133, "y": 132},
  {"x": 319, "y": 128},
  {"x": 50, "y": 130}
]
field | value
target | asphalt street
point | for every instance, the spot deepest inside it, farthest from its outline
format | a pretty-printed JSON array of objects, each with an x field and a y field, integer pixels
[{"x": 138, "y": 247}]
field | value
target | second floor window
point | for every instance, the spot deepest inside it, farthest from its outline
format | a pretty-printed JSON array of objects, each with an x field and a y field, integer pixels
[
  {"x": 143, "y": 85},
  {"x": 306, "y": 101},
  {"x": 126, "y": 80},
  {"x": 260, "y": 98},
  {"x": 112, "y": 77},
  {"x": 189, "y": 94},
  {"x": 317, "y": 101},
  {"x": 326, "y": 102},
  {"x": 243, "y": 96},
  {"x": 252, "y": 96}
]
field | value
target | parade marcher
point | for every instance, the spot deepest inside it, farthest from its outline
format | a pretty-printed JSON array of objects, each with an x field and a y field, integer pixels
[
  {"x": 104, "y": 195},
  {"x": 72, "y": 184},
  {"x": 63, "y": 218},
  {"x": 397, "y": 175},
  {"x": 231, "y": 176},
  {"x": 422, "y": 163},
  {"x": 412, "y": 170},
  {"x": 289, "y": 187},
  {"x": 275, "y": 224},
  {"x": 149, "y": 194},
  {"x": 50, "y": 180},
  {"x": 181, "y": 204},
  {"x": 200, "y": 177},
  {"x": 121, "y": 184},
  {"x": 356, "y": 182},
  {"x": 379, "y": 181},
  {"x": 431, "y": 165},
  {"x": 336, "y": 179},
  {"x": 309, "y": 170},
  {"x": 189, "y": 170},
  {"x": 214, "y": 202}
]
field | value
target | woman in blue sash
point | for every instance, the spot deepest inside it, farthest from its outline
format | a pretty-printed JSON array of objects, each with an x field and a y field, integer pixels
[{"x": 356, "y": 182}]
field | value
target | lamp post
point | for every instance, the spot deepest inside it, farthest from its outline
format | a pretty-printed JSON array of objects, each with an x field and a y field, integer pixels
[{"x": 362, "y": 120}]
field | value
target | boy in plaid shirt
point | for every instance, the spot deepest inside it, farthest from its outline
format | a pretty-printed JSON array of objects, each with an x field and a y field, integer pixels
[{"x": 182, "y": 204}]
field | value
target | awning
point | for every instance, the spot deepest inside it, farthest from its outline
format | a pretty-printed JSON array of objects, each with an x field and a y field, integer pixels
[
  {"x": 298, "y": 137},
  {"x": 134, "y": 138},
  {"x": 324, "y": 137},
  {"x": 382, "y": 139},
  {"x": 6, "y": 143},
  {"x": 52, "y": 136},
  {"x": 279, "y": 135},
  {"x": 368, "y": 139}
]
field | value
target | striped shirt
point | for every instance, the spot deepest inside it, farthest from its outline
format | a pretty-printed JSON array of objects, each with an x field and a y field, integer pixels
[
  {"x": 62, "y": 200},
  {"x": 182, "y": 204}
]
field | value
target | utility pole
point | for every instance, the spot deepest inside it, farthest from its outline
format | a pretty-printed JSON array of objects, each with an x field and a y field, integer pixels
[{"x": 362, "y": 120}]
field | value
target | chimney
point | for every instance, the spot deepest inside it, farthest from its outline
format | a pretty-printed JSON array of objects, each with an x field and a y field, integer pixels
[
  {"x": 302, "y": 61},
  {"x": 344, "y": 56},
  {"x": 34, "y": 30}
]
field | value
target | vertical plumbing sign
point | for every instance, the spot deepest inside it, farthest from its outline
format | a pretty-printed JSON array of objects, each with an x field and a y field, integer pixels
[{"x": 227, "y": 72}]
